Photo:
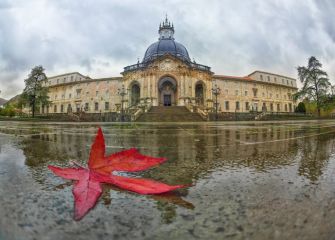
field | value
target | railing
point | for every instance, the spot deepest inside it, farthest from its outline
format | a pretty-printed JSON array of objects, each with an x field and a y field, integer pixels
[
  {"x": 137, "y": 114},
  {"x": 143, "y": 65},
  {"x": 202, "y": 113}
]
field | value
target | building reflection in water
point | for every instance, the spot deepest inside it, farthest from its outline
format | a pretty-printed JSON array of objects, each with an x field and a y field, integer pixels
[{"x": 193, "y": 151}]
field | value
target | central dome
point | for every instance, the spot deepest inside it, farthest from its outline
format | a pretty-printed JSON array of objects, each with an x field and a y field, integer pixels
[{"x": 166, "y": 44}]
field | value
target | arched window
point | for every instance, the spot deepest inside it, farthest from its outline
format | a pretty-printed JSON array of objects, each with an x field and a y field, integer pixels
[
  {"x": 199, "y": 94},
  {"x": 135, "y": 94}
]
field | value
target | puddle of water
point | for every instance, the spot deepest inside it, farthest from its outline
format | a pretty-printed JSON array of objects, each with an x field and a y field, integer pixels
[{"x": 271, "y": 180}]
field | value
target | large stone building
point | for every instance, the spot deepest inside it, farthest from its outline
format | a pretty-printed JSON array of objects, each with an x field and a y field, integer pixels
[{"x": 167, "y": 77}]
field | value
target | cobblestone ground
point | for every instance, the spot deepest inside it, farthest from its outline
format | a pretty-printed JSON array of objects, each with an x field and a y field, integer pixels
[{"x": 248, "y": 180}]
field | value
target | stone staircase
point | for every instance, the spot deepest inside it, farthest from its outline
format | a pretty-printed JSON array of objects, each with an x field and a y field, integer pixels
[{"x": 169, "y": 114}]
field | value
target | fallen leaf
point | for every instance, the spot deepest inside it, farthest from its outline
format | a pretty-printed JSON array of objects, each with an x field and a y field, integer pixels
[{"x": 87, "y": 188}]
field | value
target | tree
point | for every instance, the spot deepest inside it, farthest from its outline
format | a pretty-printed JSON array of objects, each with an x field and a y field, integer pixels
[
  {"x": 301, "y": 108},
  {"x": 34, "y": 93},
  {"x": 315, "y": 82}
]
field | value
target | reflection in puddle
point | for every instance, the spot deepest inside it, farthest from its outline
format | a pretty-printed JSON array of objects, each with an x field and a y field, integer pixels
[{"x": 237, "y": 172}]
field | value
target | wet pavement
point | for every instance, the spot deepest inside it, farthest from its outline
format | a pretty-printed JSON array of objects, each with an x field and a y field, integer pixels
[{"x": 249, "y": 180}]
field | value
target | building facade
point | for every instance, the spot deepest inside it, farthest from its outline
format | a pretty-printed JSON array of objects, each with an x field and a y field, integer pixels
[{"x": 167, "y": 77}]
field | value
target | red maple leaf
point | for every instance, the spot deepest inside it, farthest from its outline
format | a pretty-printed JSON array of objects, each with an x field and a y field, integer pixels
[{"x": 87, "y": 188}]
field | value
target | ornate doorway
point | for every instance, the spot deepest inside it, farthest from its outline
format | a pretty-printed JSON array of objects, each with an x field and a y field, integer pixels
[
  {"x": 167, "y": 88},
  {"x": 167, "y": 100}
]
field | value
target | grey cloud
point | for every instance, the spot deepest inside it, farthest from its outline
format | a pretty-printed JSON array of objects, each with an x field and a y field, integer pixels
[{"x": 99, "y": 38}]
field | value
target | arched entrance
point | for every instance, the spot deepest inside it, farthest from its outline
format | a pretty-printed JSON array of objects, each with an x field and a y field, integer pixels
[
  {"x": 135, "y": 94},
  {"x": 167, "y": 88},
  {"x": 199, "y": 94}
]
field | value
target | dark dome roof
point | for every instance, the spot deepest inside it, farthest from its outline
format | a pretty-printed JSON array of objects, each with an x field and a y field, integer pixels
[{"x": 166, "y": 45}]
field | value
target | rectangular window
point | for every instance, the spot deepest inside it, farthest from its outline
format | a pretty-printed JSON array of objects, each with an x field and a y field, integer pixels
[
  {"x": 278, "y": 107},
  {"x": 275, "y": 79},
  {"x": 237, "y": 106},
  {"x": 262, "y": 77},
  {"x": 86, "y": 107},
  {"x": 268, "y": 78},
  {"x": 106, "y": 105},
  {"x": 55, "y": 108},
  {"x": 271, "y": 107},
  {"x": 255, "y": 91},
  {"x": 61, "y": 108},
  {"x": 96, "y": 93},
  {"x": 247, "y": 106},
  {"x": 236, "y": 92},
  {"x": 96, "y": 106},
  {"x": 71, "y": 78},
  {"x": 227, "y": 105},
  {"x": 78, "y": 93},
  {"x": 245, "y": 93}
]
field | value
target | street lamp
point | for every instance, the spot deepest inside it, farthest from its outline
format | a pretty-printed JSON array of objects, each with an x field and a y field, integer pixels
[
  {"x": 216, "y": 92},
  {"x": 122, "y": 92}
]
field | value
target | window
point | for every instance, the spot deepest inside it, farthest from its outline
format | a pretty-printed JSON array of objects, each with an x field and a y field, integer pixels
[
  {"x": 247, "y": 106},
  {"x": 278, "y": 107},
  {"x": 63, "y": 96},
  {"x": 96, "y": 106},
  {"x": 245, "y": 93},
  {"x": 87, "y": 93},
  {"x": 255, "y": 91},
  {"x": 282, "y": 81},
  {"x": 56, "y": 96},
  {"x": 261, "y": 77},
  {"x": 55, "y": 108},
  {"x": 236, "y": 92},
  {"x": 275, "y": 79},
  {"x": 106, "y": 105},
  {"x": 285, "y": 107},
  {"x": 287, "y": 82},
  {"x": 71, "y": 78},
  {"x": 86, "y": 107},
  {"x": 277, "y": 96},
  {"x": 96, "y": 93},
  {"x": 226, "y": 105},
  {"x": 78, "y": 91},
  {"x": 237, "y": 106},
  {"x": 69, "y": 108},
  {"x": 70, "y": 95},
  {"x": 64, "y": 80},
  {"x": 57, "y": 81},
  {"x": 271, "y": 107},
  {"x": 61, "y": 108},
  {"x": 268, "y": 78},
  {"x": 263, "y": 94}
]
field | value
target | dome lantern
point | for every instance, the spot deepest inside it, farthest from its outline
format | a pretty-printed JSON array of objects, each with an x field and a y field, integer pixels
[{"x": 166, "y": 30}]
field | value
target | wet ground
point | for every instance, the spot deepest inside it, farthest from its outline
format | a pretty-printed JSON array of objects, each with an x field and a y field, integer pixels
[{"x": 250, "y": 180}]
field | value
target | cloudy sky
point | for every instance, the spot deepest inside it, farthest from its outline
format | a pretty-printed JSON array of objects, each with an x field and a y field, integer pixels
[{"x": 100, "y": 37}]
